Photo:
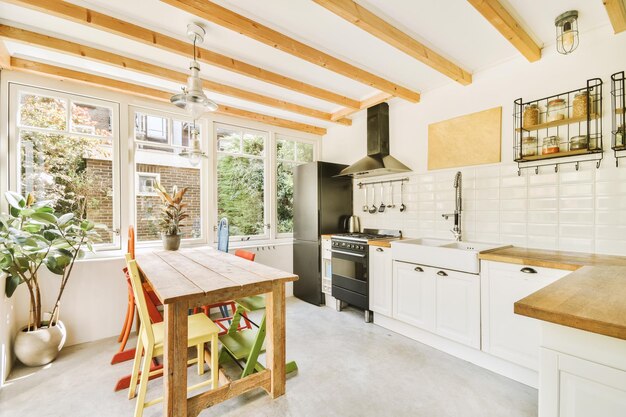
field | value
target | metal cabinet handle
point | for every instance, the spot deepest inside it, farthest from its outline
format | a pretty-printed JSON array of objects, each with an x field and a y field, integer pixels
[
  {"x": 418, "y": 269},
  {"x": 528, "y": 270},
  {"x": 380, "y": 250},
  {"x": 442, "y": 274}
]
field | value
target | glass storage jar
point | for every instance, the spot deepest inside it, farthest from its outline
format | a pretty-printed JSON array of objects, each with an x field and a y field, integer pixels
[
  {"x": 557, "y": 110},
  {"x": 529, "y": 146},
  {"x": 531, "y": 115},
  {"x": 620, "y": 137},
  {"x": 578, "y": 142},
  {"x": 550, "y": 145},
  {"x": 580, "y": 104}
]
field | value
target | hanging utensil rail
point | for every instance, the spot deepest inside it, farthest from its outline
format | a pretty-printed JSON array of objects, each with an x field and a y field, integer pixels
[{"x": 362, "y": 184}]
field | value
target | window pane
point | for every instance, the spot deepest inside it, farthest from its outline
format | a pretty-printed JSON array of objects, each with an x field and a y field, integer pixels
[
  {"x": 285, "y": 150},
  {"x": 253, "y": 144},
  {"x": 44, "y": 112},
  {"x": 153, "y": 167},
  {"x": 304, "y": 152},
  {"x": 181, "y": 134},
  {"x": 74, "y": 172},
  {"x": 93, "y": 120},
  {"x": 240, "y": 185},
  {"x": 151, "y": 128},
  {"x": 284, "y": 188},
  {"x": 228, "y": 140}
]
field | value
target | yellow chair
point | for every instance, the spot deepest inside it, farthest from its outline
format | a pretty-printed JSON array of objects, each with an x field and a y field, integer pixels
[{"x": 201, "y": 330}]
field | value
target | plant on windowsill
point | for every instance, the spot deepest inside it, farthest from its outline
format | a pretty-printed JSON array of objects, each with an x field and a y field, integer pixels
[
  {"x": 172, "y": 214},
  {"x": 33, "y": 235}
]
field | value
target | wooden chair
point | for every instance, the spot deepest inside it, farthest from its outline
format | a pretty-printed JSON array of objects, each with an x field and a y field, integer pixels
[{"x": 201, "y": 330}]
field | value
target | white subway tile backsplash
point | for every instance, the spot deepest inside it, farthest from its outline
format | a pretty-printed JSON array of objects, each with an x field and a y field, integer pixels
[{"x": 572, "y": 210}]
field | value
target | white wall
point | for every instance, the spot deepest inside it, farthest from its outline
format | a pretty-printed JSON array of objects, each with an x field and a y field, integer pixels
[
  {"x": 580, "y": 211},
  {"x": 7, "y": 330}
]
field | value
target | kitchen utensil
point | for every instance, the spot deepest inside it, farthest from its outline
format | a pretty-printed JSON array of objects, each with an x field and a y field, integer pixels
[
  {"x": 373, "y": 209},
  {"x": 352, "y": 224},
  {"x": 392, "y": 205},
  {"x": 365, "y": 204},
  {"x": 402, "y": 206},
  {"x": 381, "y": 209}
]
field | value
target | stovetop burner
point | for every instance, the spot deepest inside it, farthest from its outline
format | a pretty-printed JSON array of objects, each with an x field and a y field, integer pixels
[{"x": 368, "y": 234}]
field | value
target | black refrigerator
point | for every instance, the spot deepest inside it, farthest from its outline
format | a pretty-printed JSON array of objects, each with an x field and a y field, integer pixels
[{"x": 321, "y": 203}]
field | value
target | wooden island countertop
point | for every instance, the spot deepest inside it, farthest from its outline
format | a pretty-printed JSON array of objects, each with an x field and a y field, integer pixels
[{"x": 591, "y": 298}]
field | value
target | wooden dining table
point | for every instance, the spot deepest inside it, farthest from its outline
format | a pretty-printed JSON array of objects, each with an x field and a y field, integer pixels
[{"x": 193, "y": 277}]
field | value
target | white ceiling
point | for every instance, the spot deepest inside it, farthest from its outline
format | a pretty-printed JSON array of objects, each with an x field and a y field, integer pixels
[{"x": 451, "y": 27}]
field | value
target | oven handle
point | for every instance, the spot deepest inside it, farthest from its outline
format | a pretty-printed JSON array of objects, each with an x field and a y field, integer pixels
[{"x": 358, "y": 255}]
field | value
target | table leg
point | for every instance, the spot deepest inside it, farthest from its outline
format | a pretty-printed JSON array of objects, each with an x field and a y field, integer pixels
[
  {"x": 175, "y": 361},
  {"x": 276, "y": 355}
]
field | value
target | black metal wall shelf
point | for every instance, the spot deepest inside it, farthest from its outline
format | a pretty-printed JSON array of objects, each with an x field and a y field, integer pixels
[
  {"x": 570, "y": 122},
  {"x": 618, "y": 116}
]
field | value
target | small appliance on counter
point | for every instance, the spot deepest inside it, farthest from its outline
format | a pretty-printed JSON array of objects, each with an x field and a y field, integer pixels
[
  {"x": 352, "y": 224},
  {"x": 350, "y": 257}
]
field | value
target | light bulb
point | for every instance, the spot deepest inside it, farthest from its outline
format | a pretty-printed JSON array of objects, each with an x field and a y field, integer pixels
[
  {"x": 568, "y": 40},
  {"x": 194, "y": 158},
  {"x": 195, "y": 109}
]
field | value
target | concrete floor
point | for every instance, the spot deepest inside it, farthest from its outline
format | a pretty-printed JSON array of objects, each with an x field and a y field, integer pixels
[{"x": 346, "y": 368}]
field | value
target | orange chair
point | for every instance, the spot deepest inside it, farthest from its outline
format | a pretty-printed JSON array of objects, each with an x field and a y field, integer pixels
[{"x": 245, "y": 254}]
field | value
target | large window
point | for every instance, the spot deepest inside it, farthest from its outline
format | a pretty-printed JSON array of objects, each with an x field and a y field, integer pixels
[
  {"x": 65, "y": 151},
  {"x": 159, "y": 138},
  {"x": 241, "y": 180},
  {"x": 289, "y": 153}
]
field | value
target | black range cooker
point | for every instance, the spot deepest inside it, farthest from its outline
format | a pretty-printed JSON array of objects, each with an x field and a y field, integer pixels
[{"x": 350, "y": 257}]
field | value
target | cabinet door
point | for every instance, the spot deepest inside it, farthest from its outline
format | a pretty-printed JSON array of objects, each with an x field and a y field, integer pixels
[
  {"x": 458, "y": 307},
  {"x": 380, "y": 281},
  {"x": 414, "y": 295},
  {"x": 575, "y": 387},
  {"x": 506, "y": 334}
]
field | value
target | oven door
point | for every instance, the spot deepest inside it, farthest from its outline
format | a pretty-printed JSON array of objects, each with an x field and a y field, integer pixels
[{"x": 350, "y": 278}]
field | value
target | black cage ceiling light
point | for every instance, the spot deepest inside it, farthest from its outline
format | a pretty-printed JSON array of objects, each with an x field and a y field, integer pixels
[
  {"x": 193, "y": 99},
  {"x": 567, "y": 32}
]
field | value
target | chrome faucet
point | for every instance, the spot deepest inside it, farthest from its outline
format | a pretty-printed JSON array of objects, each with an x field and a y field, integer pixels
[{"x": 456, "y": 230}]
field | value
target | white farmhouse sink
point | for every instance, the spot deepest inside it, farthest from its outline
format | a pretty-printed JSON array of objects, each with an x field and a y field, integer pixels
[{"x": 441, "y": 253}]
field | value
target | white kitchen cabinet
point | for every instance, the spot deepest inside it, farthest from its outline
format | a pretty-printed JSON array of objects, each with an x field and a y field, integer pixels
[
  {"x": 575, "y": 387},
  {"x": 326, "y": 267},
  {"x": 505, "y": 334},
  {"x": 458, "y": 307},
  {"x": 414, "y": 295},
  {"x": 380, "y": 280}
]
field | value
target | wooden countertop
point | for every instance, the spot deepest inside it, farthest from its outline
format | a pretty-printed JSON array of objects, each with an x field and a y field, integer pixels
[
  {"x": 591, "y": 298},
  {"x": 570, "y": 261},
  {"x": 326, "y": 236},
  {"x": 385, "y": 243}
]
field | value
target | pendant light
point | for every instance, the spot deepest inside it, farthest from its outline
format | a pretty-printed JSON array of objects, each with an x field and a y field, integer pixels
[
  {"x": 193, "y": 99},
  {"x": 567, "y": 32},
  {"x": 194, "y": 153}
]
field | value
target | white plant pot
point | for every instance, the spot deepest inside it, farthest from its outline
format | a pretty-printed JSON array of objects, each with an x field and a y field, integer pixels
[{"x": 39, "y": 347}]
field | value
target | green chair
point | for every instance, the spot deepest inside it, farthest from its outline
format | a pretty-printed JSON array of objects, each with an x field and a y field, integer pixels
[{"x": 245, "y": 346}]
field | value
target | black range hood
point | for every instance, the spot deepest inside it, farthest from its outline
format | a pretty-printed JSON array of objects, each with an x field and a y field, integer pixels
[{"x": 378, "y": 161}]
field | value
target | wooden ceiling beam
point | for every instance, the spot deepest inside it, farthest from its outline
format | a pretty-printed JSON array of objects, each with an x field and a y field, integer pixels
[
  {"x": 510, "y": 28},
  {"x": 109, "y": 58},
  {"x": 616, "y": 10},
  {"x": 374, "y": 25},
  {"x": 149, "y": 92},
  {"x": 5, "y": 57},
  {"x": 367, "y": 103},
  {"x": 137, "y": 33},
  {"x": 224, "y": 17}
]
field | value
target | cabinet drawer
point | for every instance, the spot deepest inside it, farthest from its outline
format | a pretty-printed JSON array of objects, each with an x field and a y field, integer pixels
[{"x": 526, "y": 271}]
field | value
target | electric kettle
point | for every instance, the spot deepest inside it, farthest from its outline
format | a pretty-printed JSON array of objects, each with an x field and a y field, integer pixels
[{"x": 352, "y": 224}]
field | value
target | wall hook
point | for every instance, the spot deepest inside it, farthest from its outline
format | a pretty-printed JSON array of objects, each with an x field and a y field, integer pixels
[
  {"x": 556, "y": 168},
  {"x": 577, "y": 165},
  {"x": 519, "y": 172},
  {"x": 536, "y": 170},
  {"x": 598, "y": 163}
]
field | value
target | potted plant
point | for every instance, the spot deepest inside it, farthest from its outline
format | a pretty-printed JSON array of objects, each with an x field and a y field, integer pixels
[
  {"x": 172, "y": 214},
  {"x": 32, "y": 236}
]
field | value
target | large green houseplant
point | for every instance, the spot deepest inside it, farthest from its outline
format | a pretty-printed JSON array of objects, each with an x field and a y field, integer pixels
[
  {"x": 172, "y": 214},
  {"x": 32, "y": 235}
]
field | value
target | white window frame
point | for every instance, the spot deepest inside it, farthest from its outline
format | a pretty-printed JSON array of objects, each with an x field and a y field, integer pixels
[
  {"x": 203, "y": 167},
  {"x": 266, "y": 180},
  {"x": 15, "y": 90},
  {"x": 278, "y": 137},
  {"x": 156, "y": 178}
]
